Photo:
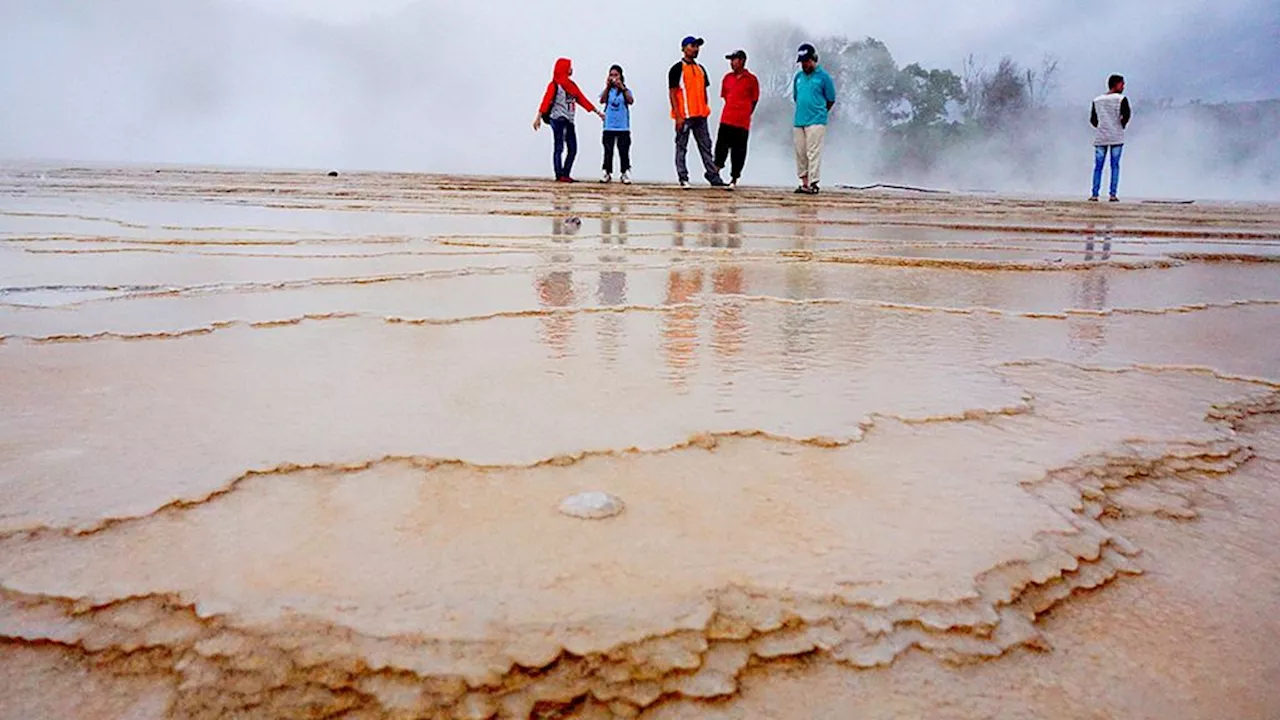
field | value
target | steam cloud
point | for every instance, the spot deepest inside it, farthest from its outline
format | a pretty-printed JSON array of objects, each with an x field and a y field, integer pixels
[{"x": 452, "y": 87}]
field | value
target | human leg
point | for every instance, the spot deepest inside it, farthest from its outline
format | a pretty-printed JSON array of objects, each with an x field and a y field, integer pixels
[
  {"x": 1099, "y": 160},
  {"x": 1116, "y": 151}
]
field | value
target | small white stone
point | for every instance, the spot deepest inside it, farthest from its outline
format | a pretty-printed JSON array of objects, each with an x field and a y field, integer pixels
[{"x": 593, "y": 505}]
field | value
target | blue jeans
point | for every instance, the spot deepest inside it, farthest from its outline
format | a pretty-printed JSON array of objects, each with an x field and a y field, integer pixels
[
  {"x": 564, "y": 135},
  {"x": 1100, "y": 159}
]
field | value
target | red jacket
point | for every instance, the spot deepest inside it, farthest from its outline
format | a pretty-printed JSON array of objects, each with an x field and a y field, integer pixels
[{"x": 561, "y": 78}]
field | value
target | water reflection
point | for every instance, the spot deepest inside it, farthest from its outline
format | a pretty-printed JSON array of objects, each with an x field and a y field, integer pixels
[
  {"x": 679, "y": 226},
  {"x": 554, "y": 285},
  {"x": 1096, "y": 248},
  {"x": 802, "y": 323},
  {"x": 1088, "y": 333},
  {"x": 728, "y": 325},
  {"x": 611, "y": 290},
  {"x": 806, "y": 227},
  {"x": 680, "y": 323},
  {"x": 722, "y": 229}
]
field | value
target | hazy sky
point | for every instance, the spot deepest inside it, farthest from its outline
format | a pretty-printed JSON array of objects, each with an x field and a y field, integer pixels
[{"x": 436, "y": 86}]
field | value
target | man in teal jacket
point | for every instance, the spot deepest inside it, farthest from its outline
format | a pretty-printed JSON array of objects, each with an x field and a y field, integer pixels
[{"x": 814, "y": 93}]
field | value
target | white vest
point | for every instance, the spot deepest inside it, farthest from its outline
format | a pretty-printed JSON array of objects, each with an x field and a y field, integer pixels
[{"x": 1109, "y": 130}]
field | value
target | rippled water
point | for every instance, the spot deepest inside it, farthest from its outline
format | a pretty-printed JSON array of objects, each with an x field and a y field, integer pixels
[{"x": 292, "y": 446}]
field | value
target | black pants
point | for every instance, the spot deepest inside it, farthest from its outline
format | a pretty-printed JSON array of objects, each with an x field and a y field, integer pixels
[
  {"x": 622, "y": 138},
  {"x": 731, "y": 142}
]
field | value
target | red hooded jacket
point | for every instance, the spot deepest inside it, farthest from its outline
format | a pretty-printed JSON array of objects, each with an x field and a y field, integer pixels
[{"x": 561, "y": 78}]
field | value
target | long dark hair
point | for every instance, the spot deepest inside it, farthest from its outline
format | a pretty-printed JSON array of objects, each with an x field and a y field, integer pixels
[{"x": 604, "y": 96}]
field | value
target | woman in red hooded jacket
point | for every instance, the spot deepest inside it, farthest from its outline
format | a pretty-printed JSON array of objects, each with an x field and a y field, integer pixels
[{"x": 557, "y": 109}]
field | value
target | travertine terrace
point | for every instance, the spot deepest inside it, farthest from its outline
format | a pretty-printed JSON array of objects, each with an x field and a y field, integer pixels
[{"x": 289, "y": 445}]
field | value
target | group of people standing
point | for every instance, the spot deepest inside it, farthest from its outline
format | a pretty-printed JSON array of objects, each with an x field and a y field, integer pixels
[
  {"x": 689, "y": 85},
  {"x": 812, "y": 91}
]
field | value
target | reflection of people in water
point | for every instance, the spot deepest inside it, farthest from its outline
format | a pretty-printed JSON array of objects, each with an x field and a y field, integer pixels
[
  {"x": 1091, "y": 240},
  {"x": 613, "y": 215},
  {"x": 678, "y": 228},
  {"x": 612, "y": 288},
  {"x": 613, "y": 282},
  {"x": 728, "y": 325},
  {"x": 555, "y": 290},
  {"x": 554, "y": 285},
  {"x": 563, "y": 222},
  {"x": 806, "y": 227},
  {"x": 721, "y": 227},
  {"x": 680, "y": 324},
  {"x": 1087, "y": 333}
]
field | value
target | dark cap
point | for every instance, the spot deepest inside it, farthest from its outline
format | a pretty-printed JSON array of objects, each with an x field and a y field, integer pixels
[
  {"x": 691, "y": 40},
  {"x": 737, "y": 54},
  {"x": 806, "y": 52}
]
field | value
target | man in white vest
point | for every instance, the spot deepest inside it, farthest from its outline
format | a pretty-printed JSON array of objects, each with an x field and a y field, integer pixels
[{"x": 1110, "y": 117}]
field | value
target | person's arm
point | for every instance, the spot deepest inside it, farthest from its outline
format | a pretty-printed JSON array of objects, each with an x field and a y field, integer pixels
[
  {"x": 753, "y": 92},
  {"x": 1125, "y": 112},
  {"x": 829, "y": 91},
  {"x": 631, "y": 99},
  {"x": 545, "y": 106},
  {"x": 547, "y": 98},
  {"x": 1093, "y": 114},
  {"x": 584, "y": 101},
  {"x": 677, "y": 97}
]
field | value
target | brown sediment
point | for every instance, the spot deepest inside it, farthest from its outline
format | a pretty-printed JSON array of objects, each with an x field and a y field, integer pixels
[
  {"x": 861, "y": 440},
  {"x": 1191, "y": 638},
  {"x": 231, "y": 650},
  {"x": 620, "y": 309}
]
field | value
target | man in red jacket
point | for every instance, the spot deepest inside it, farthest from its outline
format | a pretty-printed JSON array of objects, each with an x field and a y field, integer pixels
[
  {"x": 557, "y": 109},
  {"x": 741, "y": 92}
]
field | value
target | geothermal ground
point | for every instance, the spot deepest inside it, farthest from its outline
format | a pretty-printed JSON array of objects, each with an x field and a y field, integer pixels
[{"x": 285, "y": 445}]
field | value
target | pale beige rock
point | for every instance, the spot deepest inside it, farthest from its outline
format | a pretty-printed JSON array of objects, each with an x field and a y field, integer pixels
[{"x": 270, "y": 450}]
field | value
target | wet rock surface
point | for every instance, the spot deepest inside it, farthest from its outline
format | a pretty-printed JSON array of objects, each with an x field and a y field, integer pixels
[
  {"x": 277, "y": 449},
  {"x": 591, "y": 505}
]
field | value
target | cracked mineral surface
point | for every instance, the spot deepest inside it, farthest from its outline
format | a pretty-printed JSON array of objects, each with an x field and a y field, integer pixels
[{"x": 283, "y": 445}]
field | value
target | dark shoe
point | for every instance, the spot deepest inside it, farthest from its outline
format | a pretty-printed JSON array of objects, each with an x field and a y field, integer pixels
[
  {"x": 813, "y": 189},
  {"x": 716, "y": 181},
  {"x": 1113, "y": 198},
  {"x": 802, "y": 190},
  {"x": 1093, "y": 198}
]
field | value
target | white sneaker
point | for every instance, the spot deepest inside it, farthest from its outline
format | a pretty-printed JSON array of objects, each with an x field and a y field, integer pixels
[
  {"x": 684, "y": 185},
  {"x": 733, "y": 185},
  {"x": 607, "y": 178},
  {"x": 626, "y": 178}
]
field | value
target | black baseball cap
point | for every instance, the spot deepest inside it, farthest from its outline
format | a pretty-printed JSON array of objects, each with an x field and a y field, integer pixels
[
  {"x": 691, "y": 40},
  {"x": 737, "y": 54},
  {"x": 806, "y": 52}
]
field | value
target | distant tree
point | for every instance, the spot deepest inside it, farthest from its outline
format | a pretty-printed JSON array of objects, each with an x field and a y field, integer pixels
[
  {"x": 880, "y": 91},
  {"x": 1005, "y": 95},
  {"x": 772, "y": 51},
  {"x": 1043, "y": 83},
  {"x": 931, "y": 93}
]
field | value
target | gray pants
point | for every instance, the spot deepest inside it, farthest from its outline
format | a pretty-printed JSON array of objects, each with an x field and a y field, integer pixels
[{"x": 697, "y": 126}]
